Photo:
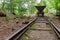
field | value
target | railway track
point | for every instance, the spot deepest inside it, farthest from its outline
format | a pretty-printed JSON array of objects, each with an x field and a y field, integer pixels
[{"x": 44, "y": 30}]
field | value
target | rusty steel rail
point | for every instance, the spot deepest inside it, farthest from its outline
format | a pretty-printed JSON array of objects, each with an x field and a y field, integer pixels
[
  {"x": 57, "y": 31},
  {"x": 20, "y": 32}
]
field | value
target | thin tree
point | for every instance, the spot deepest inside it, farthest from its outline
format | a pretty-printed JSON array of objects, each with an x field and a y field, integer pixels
[{"x": 3, "y": 2}]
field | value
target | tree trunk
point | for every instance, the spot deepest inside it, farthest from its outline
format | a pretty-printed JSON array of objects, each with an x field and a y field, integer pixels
[
  {"x": 11, "y": 6},
  {"x": 3, "y": 4},
  {"x": 19, "y": 8}
]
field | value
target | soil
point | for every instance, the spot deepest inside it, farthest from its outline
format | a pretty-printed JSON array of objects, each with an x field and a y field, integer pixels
[
  {"x": 41, "y": 31},
  {"x": 9, "y": 26},
  {"x": 55, "y": 20}
]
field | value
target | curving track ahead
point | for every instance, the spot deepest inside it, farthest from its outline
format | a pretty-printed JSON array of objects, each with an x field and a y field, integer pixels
[{"x": 42, "y": 31}]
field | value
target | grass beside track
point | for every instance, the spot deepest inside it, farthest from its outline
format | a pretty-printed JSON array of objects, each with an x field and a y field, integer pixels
[{"x": 24, "y": 37}]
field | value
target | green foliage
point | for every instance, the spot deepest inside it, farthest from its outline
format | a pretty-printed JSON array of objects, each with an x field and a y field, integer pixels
[
  {"x": 22, "y": 7},
  {"x": 51, "y": 5},
  {"x": 24, "y": 37}
]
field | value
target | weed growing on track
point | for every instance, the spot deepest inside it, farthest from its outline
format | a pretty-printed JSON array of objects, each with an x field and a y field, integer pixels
[{"x": 25, "y": 36}]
